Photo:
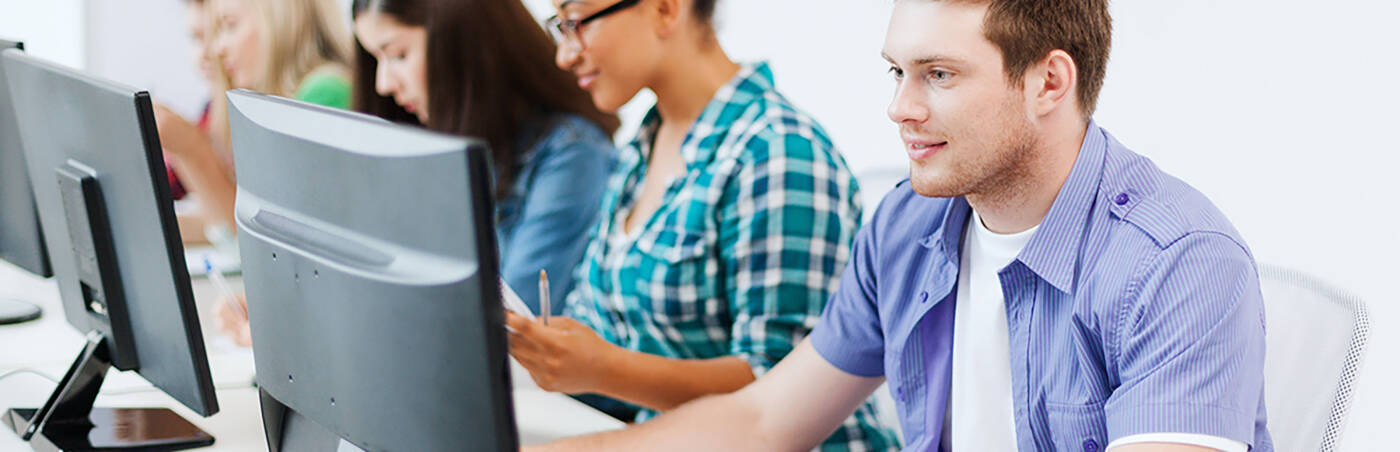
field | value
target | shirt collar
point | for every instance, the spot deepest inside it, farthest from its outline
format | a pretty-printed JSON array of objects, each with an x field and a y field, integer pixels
[
  {"x": 947, "y": 238},
  {"x": 750, "y": 83},
  {"x": 1053, "y": 251}
]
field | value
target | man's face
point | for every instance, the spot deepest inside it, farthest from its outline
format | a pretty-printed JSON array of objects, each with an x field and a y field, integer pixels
[{"x": 966, "y": 130}]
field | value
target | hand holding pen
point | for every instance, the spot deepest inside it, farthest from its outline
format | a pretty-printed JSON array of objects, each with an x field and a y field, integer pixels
[{"x": 232, "y": 311}]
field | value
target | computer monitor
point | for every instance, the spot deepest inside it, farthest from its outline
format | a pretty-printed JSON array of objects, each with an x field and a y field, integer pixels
[
  {"x": 373, "y": 287},
  {"x": 20, "y": 241},
  {"x": 95, "y": 165}
]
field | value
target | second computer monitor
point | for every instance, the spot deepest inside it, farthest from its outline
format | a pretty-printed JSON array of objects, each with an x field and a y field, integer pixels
[
  {"x": 20, "y": 240},
  {"x": 94, "y": 162},
  {"x": 370, "y": 263}
]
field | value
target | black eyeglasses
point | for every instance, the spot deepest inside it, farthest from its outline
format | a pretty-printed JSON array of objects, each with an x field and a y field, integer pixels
[{"x": 566, "y": 31}]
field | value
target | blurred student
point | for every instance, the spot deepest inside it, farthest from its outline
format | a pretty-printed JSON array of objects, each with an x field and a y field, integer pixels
[
  {"x": 481, "y": 68},
  {"x": 183, "y": 136},
  {"x": 290, "y": 48},
  {"x": 299, "y": 49},
  {"x": 726, "y": 224}
]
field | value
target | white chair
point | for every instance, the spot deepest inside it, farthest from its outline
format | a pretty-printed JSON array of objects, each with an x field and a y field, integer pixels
[{"x": 1315, "y": 336}]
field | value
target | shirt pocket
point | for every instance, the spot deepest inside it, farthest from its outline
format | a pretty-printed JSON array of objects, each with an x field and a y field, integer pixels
[
  {"x": 674, "y": 245},
  {"x": 673, "y": 275},
  {"x": 1077, "y": 427}
]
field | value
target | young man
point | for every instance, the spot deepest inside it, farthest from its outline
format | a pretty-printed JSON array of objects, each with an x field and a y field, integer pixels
[{"x": 1035, "y": 285}]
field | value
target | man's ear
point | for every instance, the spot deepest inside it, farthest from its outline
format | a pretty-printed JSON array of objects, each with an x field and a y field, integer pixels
[{"x": 1051, "y": 83}]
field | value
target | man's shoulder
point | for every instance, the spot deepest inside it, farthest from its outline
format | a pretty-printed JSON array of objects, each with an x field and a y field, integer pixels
[{"x": 1163, "y": 208}]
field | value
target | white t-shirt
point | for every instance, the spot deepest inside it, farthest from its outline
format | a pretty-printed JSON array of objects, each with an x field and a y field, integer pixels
[{"x": 981, "y": 414}]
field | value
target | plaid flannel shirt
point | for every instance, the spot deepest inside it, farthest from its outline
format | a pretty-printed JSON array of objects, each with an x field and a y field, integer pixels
[{"x": 745, "y": 250}]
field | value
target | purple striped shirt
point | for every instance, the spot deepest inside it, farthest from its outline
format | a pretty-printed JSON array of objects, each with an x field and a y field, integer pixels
[{"x": 1135, "y": 308}]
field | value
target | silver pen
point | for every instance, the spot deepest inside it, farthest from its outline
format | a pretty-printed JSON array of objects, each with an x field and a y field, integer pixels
[{"x": 544, "y": 298}]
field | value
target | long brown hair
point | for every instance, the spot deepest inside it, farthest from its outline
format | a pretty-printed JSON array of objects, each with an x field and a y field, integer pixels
[{"x": 490, "y": 74}]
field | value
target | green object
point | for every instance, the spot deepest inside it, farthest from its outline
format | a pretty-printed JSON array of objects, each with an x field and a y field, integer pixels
[{"x": 325, "y": 88}]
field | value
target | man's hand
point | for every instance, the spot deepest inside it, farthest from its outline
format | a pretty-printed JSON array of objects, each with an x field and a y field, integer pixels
[{"x": 565, "y": 356}]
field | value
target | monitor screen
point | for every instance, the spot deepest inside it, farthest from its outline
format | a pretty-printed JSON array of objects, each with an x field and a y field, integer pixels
[{"x": 373, "y": 292}]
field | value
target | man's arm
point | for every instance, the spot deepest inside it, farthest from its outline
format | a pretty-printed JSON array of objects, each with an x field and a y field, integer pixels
[{"x": 794, "y": 407}]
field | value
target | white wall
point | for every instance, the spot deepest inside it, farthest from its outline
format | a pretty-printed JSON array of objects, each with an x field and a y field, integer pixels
[
  {"x": 145, "y": 44},
  {"x": 1281, "y": 111},
  {"x": 51, "y": 29}
]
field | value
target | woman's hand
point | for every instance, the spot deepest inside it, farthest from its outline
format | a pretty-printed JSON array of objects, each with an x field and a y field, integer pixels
[
  {"x": 565, "y": 356},
  {"x": 178, "y": 136},
  {"x": 232, "y": 314}
]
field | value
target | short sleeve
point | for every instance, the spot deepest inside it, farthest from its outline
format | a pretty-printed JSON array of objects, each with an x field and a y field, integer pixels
[
  {"x": 1189, "y": 344},
  {"x": 849, "y": 335}
]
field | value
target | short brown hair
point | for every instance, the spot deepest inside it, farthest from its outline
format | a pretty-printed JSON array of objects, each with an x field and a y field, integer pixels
[{"x": 1026, "y": 30}]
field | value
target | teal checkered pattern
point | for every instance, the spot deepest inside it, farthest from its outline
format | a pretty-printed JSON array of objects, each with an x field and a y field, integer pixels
[{"x": 745, "y": 250}]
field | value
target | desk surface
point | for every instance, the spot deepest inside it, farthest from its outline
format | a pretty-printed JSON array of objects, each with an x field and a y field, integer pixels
[{"x": 49, "y": 345}]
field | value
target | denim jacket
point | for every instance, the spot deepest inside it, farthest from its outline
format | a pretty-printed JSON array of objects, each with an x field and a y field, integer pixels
[{"x": 545, "y": 220}]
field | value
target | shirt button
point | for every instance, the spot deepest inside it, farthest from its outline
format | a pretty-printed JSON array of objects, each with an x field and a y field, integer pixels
[
  {"x": 1121, "y": 200},
  {"x": 1091, "y": 446},
  {"x": 923, "y": 297}
]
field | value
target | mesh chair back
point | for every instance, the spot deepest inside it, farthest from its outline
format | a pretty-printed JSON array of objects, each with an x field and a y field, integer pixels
[{"x": 1316, "y": 338}]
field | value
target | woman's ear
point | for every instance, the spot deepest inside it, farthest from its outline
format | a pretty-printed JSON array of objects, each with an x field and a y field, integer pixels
[{"x": 666, "y": 16}]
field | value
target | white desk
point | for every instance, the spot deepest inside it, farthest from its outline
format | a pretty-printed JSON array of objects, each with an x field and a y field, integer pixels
[{"x": 49, "y": 345}]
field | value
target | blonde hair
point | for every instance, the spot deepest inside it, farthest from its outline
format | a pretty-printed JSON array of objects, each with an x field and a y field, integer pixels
[
  {"x": 300, "y": 37},
  {"x": 217, "y": 125}
]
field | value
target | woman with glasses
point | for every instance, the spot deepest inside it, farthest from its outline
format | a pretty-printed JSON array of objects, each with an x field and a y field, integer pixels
[
  {"x": 725, "y": 226},
  {"x": 480, "y": 68}
]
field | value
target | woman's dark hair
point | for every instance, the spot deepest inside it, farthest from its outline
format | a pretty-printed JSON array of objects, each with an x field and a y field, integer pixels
[
  {"x": 705, "y": 10},
  {"x": 490, "y": 75}
]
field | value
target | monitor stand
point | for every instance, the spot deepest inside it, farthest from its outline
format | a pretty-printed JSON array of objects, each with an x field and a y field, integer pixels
[
  {"x": 68, "y": 421},
  {"x": 17, "y": 311}
]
